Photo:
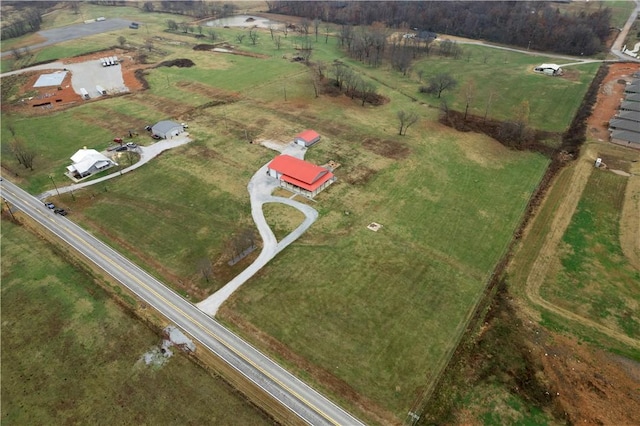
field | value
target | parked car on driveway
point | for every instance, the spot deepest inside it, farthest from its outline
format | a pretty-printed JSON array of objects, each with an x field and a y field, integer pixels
[
  {"x": 121, "y": 148},
  {"x": 50, "y": 206},
  {"x": 132, "y": 145},
  {"x": 156, "y": 137}
]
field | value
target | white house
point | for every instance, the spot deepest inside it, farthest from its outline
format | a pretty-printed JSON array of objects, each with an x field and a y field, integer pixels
[
  {"x": 549, "y": 69},
  {"x": 87, "y": 162}
]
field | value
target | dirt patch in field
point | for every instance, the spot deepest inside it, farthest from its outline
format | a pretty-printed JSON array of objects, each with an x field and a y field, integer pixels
[
  {"x": 609, "y": 96},
  {"x": 359, "y": 175},
  {"x": 591, "y": 386},
  {"x": 210, "y": 92},
  {"x": 387, "y": 148}
]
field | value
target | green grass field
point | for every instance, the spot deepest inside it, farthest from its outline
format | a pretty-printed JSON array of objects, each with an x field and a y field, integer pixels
[
  {"x": 593, "y": 277},
  {"x": 72, "y": 355},
  {"x": 379, "y": 311}
]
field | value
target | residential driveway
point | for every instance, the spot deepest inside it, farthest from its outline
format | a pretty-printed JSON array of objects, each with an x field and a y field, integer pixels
[
  {"x": 147, "y": 153},
  {"x": 260, "y": 188},
  {"x": 72, "y": 32}
]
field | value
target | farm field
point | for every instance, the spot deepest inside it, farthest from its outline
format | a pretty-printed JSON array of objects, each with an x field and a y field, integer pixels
[
  {"x": 70, "y": 354},
  {"x": 592, "y": 276},
  {"x": 369, "y": 317}
]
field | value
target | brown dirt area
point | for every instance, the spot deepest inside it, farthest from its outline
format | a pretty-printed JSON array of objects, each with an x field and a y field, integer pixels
[
  {"x": 63, "y": 96},
  {"x": 609, "y": 95},
  {"x": 589, "y": 385}
]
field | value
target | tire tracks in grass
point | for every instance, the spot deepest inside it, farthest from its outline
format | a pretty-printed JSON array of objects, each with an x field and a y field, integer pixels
[{"x": 548, "y": 252}]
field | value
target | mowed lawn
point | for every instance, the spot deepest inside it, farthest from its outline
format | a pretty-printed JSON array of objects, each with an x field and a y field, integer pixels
[
  {"x": 72, "y": 355},
  {"x": 592, "y": 276},
  {"x": 380, "y": 310}
]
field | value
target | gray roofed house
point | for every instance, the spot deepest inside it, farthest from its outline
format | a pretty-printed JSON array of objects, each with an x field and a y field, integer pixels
[
  {"x": 634, "y": 87},
  {"x": 633, "y": 97},
  {"x": 630, "y": 106},
  {"x": 167, "y": 129},
  {"x": 626, "y": 138},
  {"x": 619, "y": 124},
  {"x": 628, "y": 115}
]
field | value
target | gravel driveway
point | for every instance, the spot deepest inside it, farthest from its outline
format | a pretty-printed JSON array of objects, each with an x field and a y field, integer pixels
[{"x": 260, "y": 188}]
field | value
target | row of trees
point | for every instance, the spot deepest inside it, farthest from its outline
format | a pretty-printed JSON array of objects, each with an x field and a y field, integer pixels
[
  {"x": 534, "y": 25},
  {"x": 28, "y": 21}
]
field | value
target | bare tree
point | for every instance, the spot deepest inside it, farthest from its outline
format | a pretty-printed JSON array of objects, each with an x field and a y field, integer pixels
[
  {"x": 75, "y": 7},
  {"x": 441, "y": 82},
  {"x": 306, "y": 50},
  {"x": 420, "y": 73},
  {"x": 492, "y": 94},
  {"x": 327, "y": 30},
  {"x": 184, "y": 26},
  {"x": 316, "y": 25},
  {"x": 272, "y": 28},
  {"x": 253, "y": 36},
  {"x": 366, "y": 90},
  {"x": 406, "y": 119},
  {"x": 278, "y": 41},
  {"x": 240, "y": 37},
  {"x": 23, "y": 154},
  {"x": 205, "y": 267},
  {"x": 212, "y": 34},
  {"x": 469, "y": 94},
  {"x": 304, "y": 26},
  {"x": 122, "y": 41}
]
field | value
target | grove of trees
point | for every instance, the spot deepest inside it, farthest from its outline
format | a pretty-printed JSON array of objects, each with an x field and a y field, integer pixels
[{"x": 535, "y": 25}]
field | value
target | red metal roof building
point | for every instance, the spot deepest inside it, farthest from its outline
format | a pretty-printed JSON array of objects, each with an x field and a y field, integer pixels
[
  {"x": 300, "y": 176},
  {"x": 307, "y": 138}
]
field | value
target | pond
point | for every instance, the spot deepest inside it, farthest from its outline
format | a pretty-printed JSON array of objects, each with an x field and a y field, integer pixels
[{"x": 243, "y": 21}]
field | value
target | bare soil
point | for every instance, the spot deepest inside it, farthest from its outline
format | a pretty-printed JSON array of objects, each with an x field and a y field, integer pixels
[
  {"x": 41, "y": 100},
  {"x": 609, "y": 96}
]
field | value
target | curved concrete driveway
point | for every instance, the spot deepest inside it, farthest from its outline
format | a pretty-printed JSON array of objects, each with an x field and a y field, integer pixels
[
  {"x": 260, "y": 188},
  {"x": 147, "y": 153}
]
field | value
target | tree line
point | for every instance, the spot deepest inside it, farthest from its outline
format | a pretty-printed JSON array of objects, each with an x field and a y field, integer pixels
[
  {"x": 532, "y": 25},
  {"x": 28, "y": 20}
]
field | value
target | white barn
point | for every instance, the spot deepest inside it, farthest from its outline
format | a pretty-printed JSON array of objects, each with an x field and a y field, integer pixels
[{"x": 549, "y": 69}]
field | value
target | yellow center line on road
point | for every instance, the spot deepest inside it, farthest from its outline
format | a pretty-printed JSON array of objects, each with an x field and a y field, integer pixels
[{"x": 192, "y": 320}]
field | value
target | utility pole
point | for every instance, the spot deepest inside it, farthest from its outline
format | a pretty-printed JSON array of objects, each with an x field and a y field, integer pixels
[
  {"x": 54, "y": 184},
  {"x": 9, "y": 208}
]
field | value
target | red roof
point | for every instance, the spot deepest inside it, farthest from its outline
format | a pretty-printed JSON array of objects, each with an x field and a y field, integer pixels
[
  {"x": 299, "y": 172},
  {"x": 308, "y": 135}
]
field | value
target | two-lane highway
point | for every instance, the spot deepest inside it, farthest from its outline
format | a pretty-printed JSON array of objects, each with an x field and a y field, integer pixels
[{"x": 312, "y": 407}]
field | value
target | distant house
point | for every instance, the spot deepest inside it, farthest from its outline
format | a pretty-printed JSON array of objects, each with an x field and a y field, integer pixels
[
  {"x": 87, "y": 162},
  {"x": 549, "y": 69},
  {"x": 300, "y": 176},
  {"x": 306, "y": 138},
  {"x": 167, "y": 129}
]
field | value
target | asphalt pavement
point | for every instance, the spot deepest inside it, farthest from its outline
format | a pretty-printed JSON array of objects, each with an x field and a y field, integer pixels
[
  {"x": 309, "y": 405},
  {"x": 72, "y": 32}
]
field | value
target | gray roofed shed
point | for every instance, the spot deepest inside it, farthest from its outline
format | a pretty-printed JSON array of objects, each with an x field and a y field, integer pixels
[
  {"x": 167, "y": 129},
  {"x": 633, "y": 97},
  {"x": 634, "y": 87}
]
